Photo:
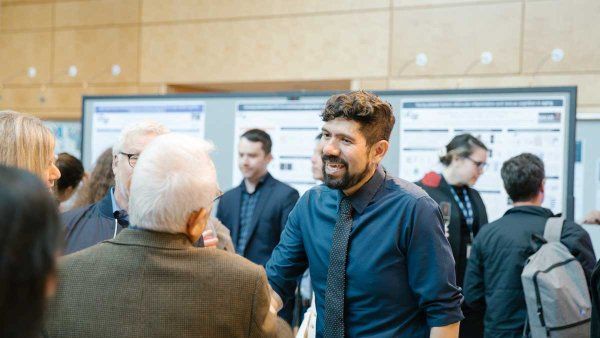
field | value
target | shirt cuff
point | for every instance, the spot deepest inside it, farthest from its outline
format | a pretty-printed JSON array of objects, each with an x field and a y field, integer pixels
[{"x": 447, "y": 319}]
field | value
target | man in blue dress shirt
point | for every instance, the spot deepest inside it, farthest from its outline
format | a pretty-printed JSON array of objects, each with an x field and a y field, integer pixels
[{"x": 379, "y": 261}]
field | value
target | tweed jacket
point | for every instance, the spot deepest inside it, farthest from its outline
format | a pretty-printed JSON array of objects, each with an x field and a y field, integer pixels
[{"x": 150, "y": 284}]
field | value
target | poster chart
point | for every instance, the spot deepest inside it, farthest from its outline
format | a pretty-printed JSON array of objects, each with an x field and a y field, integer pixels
[
  {"x": 67, "y": 135},
  {"x": 507, "y": 125},
  {"x": 108, "y": 117},
  {"x": 293, "y": 127}
]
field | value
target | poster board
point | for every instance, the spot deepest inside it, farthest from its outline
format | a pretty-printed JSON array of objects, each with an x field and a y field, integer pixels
[
  {"x": 225, "y": 117},
  {"x": 292, "y": 125},
  {"x": 104, "y": 119},
  {"x": 507, "y": 123}
]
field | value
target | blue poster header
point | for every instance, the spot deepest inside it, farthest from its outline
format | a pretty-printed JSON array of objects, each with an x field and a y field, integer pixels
[
  {"x": 151, "y": 109},
  {"x": 484, "y": 104}
]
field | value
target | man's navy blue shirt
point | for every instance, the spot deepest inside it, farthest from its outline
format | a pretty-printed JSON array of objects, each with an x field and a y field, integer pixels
[{"x": 400, "y": 270}]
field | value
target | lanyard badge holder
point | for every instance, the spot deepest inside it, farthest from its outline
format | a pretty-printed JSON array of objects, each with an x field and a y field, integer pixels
[{"x": 466, "y": 209}]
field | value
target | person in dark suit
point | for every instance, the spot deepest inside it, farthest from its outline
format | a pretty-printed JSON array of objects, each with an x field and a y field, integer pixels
[
  {"x": 150, "y": 280},
  {"x": 256, "y": 211},
  {"x": 464, "y": 162}
]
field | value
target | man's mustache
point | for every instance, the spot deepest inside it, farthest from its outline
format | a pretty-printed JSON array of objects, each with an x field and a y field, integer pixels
[{"x": 333, "y": 159}]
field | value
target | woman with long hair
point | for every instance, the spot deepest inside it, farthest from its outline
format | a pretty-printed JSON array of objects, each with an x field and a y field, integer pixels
[
  {"x": 27, "y": 144},
  {"x": 97, "y": 184},
  {"x": 29, "y": 225}
]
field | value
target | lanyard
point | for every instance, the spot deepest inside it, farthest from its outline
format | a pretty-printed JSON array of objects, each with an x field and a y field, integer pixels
[{"x": 467, "y": 210}]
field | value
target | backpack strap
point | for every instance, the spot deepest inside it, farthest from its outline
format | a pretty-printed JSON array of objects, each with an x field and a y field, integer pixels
[{"x": 553, "y": 229}]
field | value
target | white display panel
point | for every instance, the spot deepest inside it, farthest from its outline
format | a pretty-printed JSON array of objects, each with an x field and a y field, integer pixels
[
  {"x": 67, "y": 135},
  {"x": 293, "y": 127},
  {"x": 109, "y": 117},
  {"x": 507, "y": 124}
]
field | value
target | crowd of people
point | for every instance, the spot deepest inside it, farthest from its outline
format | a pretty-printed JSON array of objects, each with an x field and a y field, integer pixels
[{"x": 148, "y": 245}]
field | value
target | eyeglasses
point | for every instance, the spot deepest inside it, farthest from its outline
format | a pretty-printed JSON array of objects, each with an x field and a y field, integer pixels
[
  {"x": 480, "y": 165},
  {"x": 131, "y": 158}
]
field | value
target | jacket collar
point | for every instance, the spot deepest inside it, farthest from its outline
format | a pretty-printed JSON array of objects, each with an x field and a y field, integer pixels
[
  {"x": 532, "y": 210},
  {"x": 361, "y": 198},
  {"x": 105, "y": 205},
  {"x": 266, "y": 179},
  {"x": 153, "y": 239}
]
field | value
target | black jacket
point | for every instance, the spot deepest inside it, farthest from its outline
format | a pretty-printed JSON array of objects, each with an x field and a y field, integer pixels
[
  {"x": 89, "y": 225},
  {"x": 493, "y": 278},
  {"x": 436, "y": 186},
  {"x": 275, "y": 202}
]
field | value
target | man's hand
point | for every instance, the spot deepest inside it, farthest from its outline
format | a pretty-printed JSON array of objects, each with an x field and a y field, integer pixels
[
  {"x": 448, "y": 331},
  {"x": 210, "y": 239},
  {"x": 592, "y": 218},
  {"x": 276, "y": 302}
]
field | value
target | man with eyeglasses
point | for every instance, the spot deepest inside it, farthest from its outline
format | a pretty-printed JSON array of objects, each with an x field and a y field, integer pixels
[
  {"x": 92, "y": 224},
  {"x": 462, "y": 208}
]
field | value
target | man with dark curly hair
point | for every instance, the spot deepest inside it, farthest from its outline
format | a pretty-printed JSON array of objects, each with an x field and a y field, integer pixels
[
  {"x": 500, "y": 250},
  {"x": 379, "y": 261}
]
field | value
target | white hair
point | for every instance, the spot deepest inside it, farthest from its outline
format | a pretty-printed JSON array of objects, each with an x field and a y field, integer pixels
[
  {"x": 173, "y": 178},
  {"x": 138, "y": 129}
]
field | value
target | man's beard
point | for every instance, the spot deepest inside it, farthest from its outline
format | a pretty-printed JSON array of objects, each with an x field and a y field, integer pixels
[{"x": 347, "y": 180}]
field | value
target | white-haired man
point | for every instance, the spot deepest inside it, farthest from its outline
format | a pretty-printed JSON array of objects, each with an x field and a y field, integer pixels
[
  {"x": 150, "y": 280},
  {"x": 92, "y": 224}
]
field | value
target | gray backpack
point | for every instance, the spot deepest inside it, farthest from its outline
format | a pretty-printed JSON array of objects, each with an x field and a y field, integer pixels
[{"x": 556, "y": 291}]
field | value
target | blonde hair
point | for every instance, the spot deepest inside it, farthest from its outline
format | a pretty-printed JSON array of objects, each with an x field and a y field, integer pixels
[{"x": 25, "y": 142}]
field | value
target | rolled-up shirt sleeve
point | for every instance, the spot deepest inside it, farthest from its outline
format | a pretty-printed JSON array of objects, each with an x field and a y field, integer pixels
[
  {"x": 288, "y": 261},
  {"x": 430, "y": 265}
]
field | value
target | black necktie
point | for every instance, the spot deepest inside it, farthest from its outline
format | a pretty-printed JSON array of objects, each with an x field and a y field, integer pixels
[{"x": 336, "y": 272}]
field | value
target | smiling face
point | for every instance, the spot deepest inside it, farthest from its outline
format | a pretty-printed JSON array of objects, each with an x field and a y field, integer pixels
[{"x": 347, "y": 159}]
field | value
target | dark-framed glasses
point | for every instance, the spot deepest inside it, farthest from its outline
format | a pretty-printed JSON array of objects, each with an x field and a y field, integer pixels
[
  {"x": 131, "y": 158},
  {"x": 480, "y": 165}
]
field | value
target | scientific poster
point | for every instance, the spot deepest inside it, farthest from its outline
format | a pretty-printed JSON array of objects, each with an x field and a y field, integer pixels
[
  {"x": 293, "y": 127},
  {"x": 507, "y": 125},
  {"x": 67, "y": 135},
  {"x": 110, "y": 116}
]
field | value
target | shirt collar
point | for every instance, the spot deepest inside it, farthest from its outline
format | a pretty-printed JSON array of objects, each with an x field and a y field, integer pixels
[
  {"x": 115, "y": 206},
  {"x": 147, "y": 238},
  {"x": 261, "y": 182},
  {"x": 363, "y": 196}
]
